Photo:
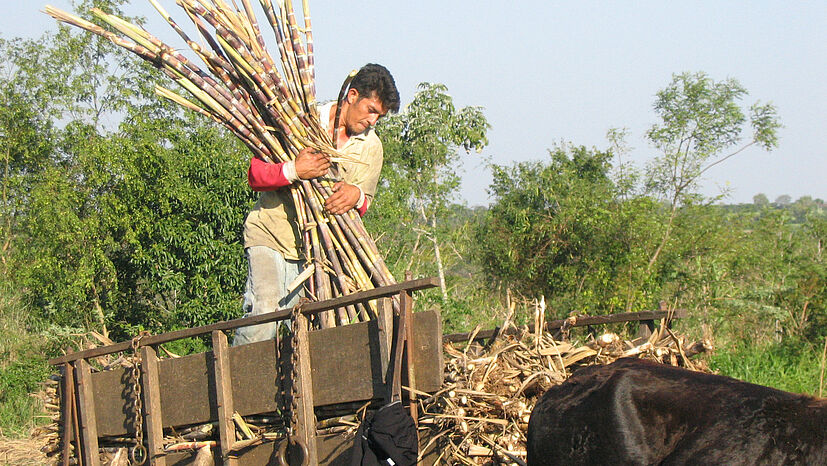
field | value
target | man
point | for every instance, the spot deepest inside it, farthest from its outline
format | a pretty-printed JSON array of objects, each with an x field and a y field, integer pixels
[{"x": 271, "y": 236}]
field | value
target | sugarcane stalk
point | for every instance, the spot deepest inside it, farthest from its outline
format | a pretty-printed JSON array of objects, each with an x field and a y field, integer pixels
[
  {"x": 282, "y": 43},
  {"x": 324, "y": 233},
  {"x": 311, "y": 65},
  {"x": 301, "y": 59}
]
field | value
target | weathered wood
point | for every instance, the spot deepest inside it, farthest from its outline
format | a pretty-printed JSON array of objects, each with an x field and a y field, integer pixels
[
  {"x": 153, "y": 416},
  {"x": 105, "y": 398},
  {"x": 397, "y": 353},
  {"x": 333, "y": 450},
  {"x": 384, "y": 333},
  {"x": 305, "y": 428},
  {"x": 307, "y": 309},
  {"x": 410, "y": 370},
  {"x": 427, "y": 350},
  {"x": 223, "y": 396},
  {"x": 645, "y": 328},
  {"x": 68, "y": 412},
  {"x": 345, "y": 362},
  {"x": 88, "y": 426},
  {"x": 581, "y": 321}
]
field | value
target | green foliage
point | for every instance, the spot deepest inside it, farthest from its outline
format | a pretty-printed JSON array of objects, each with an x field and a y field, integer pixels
[
  {"x": 421, "y": 143},
  {"x": 558, "y": 229},
  {"x": 700, "y": 119},
  {"x": 420, "y": 177},
  {"x": 144, "y": 230},
  {"x": 793, "y": 366},
  {"x": 22, "y": 364},
  {"x": 18, "y": 410},
  {"x": 760, "y": 199},
  {"x": 130, "y": 228}
]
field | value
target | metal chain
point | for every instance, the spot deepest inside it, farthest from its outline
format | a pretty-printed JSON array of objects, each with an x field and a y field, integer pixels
[
  {"x": 138, "y": 454},
  {"x": 294, "y": 363},
  {"x": 291, "y": 419}
]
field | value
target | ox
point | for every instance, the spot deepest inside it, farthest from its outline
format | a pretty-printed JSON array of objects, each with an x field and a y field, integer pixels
[{"x": 641, "y": 412}]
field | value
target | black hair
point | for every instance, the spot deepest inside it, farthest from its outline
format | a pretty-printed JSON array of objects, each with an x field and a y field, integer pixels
[{"x": 373, "y": 79}]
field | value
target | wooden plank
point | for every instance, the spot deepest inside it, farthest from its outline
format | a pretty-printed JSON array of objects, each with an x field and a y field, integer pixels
[
  {"x": 153, "y": 416},
  {"x": 223, "y": 396},
  {"x": 346, "y": 364},
  {"x": 410, "y": 370},
  {"x": 427, "y": 350},
  {"x": 86, "y": 402},
  {"x": 384, "y": 332},
  {"x": 394, "y": 392},
  {"x": 351, "y": 373},
  {"x": 333, "y": 450},
  {"x": 68, "y": 413},
  {"x": 307, "y": 309},
  {"x": 305, "y": 428},
  {"x": 186, "y": 378},
  {"x": 581, "y": 321},
  {"x": 645, "y": 328}
]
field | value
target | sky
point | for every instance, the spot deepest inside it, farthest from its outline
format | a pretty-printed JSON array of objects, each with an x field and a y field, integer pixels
[{"x": 547, "y": 72}]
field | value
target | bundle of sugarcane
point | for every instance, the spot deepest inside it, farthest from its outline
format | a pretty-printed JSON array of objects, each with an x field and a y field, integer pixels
[{"x": 271, "y": 107}]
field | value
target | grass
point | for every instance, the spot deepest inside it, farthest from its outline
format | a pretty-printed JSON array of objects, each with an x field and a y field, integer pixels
[
  {"x": 23, "y": 367},
  {"x": 18, "y": 409},
  {"x": 792, "y": 366}
]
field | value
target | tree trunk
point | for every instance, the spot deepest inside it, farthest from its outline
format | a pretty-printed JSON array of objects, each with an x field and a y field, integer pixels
[
  {"x": 665, "y": 238},
  {"x": 440, "y": 271},
  {"x": 437, "y": 256}
]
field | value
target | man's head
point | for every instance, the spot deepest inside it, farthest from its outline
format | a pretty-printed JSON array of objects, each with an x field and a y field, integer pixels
[{"x": 372, "y": 94}]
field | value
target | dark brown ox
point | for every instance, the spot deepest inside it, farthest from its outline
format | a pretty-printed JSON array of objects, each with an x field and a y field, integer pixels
[{"x": 641, "y": 412}]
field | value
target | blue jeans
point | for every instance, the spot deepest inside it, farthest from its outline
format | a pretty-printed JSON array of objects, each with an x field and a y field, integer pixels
[{"x": 268, "y": 276}]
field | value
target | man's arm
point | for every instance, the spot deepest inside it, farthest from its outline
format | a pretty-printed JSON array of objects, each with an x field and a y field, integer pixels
[{"x": 264, "y": 176}]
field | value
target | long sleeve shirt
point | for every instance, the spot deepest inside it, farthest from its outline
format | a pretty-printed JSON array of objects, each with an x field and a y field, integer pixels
[{"x": 273, "y": 221}]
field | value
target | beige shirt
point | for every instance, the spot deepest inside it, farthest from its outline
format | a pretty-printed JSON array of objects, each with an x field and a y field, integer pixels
[{"x": 273, "y": 221}]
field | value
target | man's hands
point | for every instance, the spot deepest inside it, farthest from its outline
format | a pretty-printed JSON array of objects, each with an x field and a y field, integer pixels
[
  {"x": 344, "y": 197},
  {"x": 311, "y": 163}
]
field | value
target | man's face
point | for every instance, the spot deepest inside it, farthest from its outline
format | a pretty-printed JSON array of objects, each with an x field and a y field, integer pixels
[{"x": 363, "y": 112}]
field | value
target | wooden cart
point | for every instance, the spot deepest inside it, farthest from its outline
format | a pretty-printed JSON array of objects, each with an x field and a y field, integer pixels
[{"x": 333, "y": 369}]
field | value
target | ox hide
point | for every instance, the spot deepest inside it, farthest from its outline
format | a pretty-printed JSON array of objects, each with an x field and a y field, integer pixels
[{"x": 641, "y": 412}]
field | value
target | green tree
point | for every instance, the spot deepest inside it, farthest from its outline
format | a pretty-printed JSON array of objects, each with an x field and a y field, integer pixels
[
  {"x": 783, "y": 200},
  {"x": 701, "y": 126},
  {"x": 559, "y": 228},
  {"x": 421, "y": 175},
  {"x": 760, "y": 200},
  {"x": 131, "y": 211},
  {"x": 26, "y": 141}
]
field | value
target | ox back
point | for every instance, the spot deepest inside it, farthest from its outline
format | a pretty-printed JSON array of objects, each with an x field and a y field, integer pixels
[{"x": 641, "y": 412}]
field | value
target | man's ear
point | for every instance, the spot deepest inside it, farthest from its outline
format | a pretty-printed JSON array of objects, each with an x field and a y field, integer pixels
[{"x": 352, "y": 96}]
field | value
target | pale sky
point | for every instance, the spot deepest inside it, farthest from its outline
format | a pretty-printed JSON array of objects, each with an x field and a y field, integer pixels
[{"x": 548, "y": 71}]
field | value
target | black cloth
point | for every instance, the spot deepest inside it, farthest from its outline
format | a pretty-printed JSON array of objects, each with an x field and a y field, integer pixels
[{"x": 390, "y": 433}]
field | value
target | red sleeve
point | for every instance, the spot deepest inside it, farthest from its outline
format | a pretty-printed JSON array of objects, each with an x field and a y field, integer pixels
[
  {"x": 363, "y": 209},
  {"x": 265, "y": 176}
]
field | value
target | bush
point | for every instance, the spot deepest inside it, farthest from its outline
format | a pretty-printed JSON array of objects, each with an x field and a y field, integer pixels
[
  {"x": 23, "y": 365},
  {"x": 19, "y": 410}
]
